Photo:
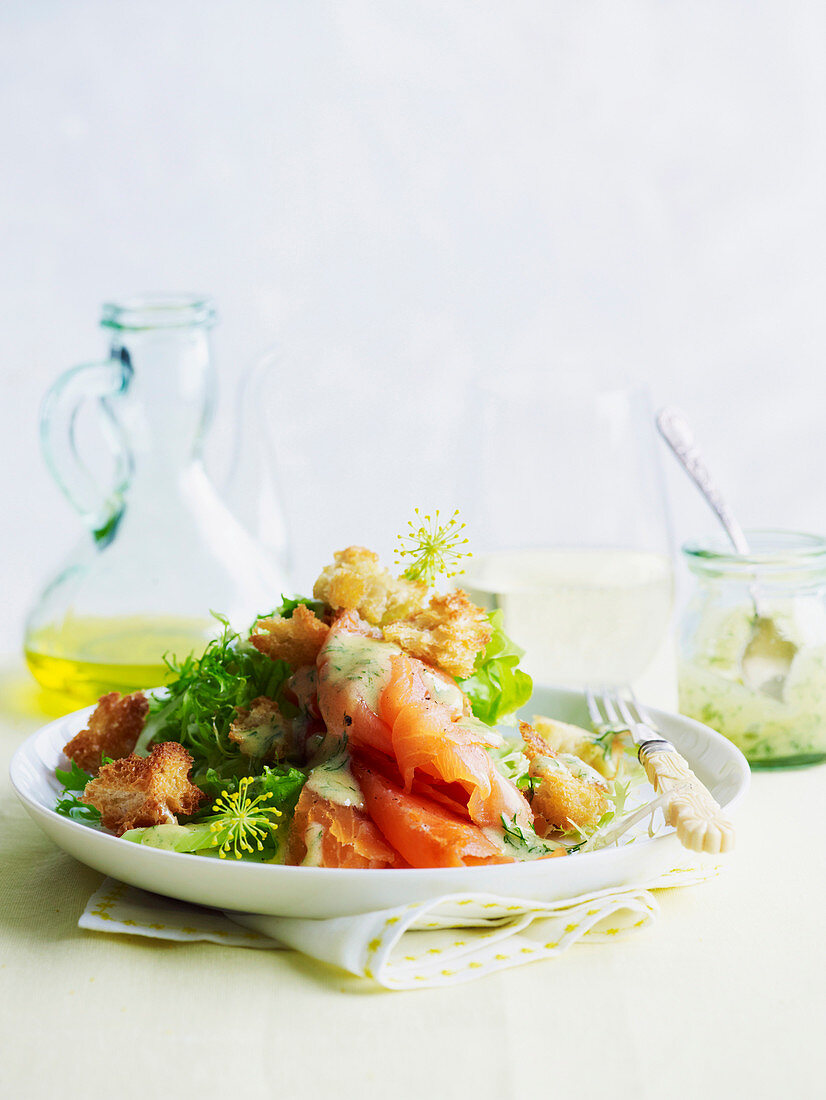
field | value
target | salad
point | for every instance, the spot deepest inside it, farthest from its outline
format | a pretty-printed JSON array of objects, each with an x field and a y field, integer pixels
[{"x": 360, "y": 727}]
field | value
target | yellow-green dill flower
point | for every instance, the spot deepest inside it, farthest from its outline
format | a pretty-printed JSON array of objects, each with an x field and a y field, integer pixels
[
  {"x": 243, "y": 821},
  {"x": 433, "y": 547}
]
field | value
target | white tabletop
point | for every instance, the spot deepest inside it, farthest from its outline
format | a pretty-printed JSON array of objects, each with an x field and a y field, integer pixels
[{"x": 723, "y": 996}]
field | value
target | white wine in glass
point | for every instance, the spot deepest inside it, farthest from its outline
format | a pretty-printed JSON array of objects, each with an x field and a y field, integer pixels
[{"x": 566, "y": 505}]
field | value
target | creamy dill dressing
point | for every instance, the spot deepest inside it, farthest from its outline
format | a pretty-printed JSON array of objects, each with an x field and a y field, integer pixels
[
  {"x": 356, "y": 658},
  {"x": 334, "y": 781},
  {"x": 313, "y": 838},
  {"x": 521, "y": 842},
  {"x": 443, "y": 692},
  {"x": 788, "y": 572}
]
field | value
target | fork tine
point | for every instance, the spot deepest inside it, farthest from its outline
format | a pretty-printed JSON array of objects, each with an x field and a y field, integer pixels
[
  {"x": 610, "y": 709},
  {"x": 593, "y": 708},
  {"x": 625, "y": 710},
  {"x": 643, "y": 712}
]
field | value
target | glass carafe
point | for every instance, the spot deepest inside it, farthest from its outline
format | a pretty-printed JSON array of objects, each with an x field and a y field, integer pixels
[{"x": 163, "y": 551}]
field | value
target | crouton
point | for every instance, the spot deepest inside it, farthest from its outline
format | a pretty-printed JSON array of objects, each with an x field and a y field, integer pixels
[
  {"x": 114, "y": 728},
  {"x": 262, "y": 731},
  {"x": 296, "y": 640},
  {"x": 449, "y": 633},
  {"x": 144, "y": 790},
  {"x": 604, "y": 754},
  {"x": 561, "y": 798},
  {"x": 356, "y": 582}
]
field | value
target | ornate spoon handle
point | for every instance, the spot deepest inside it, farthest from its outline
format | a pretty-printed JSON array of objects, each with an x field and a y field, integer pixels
[{"x": 677, "y": 434}]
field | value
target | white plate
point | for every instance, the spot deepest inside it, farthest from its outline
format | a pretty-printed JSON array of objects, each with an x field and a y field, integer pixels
[{"x": 333, "y": 892}]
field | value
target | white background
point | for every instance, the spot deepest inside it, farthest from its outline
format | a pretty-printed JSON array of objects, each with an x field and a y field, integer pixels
[{"x": 420, "y": 192}]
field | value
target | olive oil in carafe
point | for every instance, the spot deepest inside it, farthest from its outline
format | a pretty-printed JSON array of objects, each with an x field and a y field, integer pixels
[
  {"x": 163, "y": 548},
  {"x": 88, "y": 657}
]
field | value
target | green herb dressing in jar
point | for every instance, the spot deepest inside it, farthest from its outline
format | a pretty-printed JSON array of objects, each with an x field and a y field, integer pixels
[{"x": 785, "y": 576}]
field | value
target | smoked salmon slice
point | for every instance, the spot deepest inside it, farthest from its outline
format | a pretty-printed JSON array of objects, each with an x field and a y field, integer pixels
[
  {"x": 396, "y": 709},
  {"x": 353, "y": 669},
  {"x": 335, "y": 835},
  {"x": 428, "y": 736},
  {"x": 427, "y": 835}
]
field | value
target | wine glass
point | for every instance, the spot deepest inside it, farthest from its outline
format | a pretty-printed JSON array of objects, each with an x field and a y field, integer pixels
[{"x": 565, "y": 502}]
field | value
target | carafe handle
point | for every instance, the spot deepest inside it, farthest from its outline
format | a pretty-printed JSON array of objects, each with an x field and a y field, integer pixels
[{"x": 101, "y": 507}]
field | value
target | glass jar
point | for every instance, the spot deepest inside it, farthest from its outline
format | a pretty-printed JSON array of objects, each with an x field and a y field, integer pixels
[
  {"x": 753, "y": 646},
  {"x": 162, "y": 550}
]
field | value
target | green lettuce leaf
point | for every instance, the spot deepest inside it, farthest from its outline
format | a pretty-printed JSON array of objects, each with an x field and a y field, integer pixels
[
  {"x": 75, "y": 779},
  {"x": 74, "y": 783},
  {"x": 497, "y": 686},
  {"x": 282, "y": 782},
  {"x": 289, "y": 604}
]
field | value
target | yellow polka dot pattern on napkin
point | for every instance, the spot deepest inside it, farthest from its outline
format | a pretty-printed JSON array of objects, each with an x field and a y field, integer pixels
[
  {"x": 445, "y": 941},
  {"x": 421, "y": 948},
  {"x": 116, "y": 907}
]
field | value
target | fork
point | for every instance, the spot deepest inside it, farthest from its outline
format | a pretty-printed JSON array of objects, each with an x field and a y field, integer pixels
[{"x": 693, "y": 811}]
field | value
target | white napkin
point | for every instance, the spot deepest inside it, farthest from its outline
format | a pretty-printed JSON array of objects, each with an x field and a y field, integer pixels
[{"x": 444, "y": 941}]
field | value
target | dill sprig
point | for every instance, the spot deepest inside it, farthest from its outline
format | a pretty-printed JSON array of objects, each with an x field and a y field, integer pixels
[
  {"x": 524, "y": 839},
  {"x": 433, "y": 547}
]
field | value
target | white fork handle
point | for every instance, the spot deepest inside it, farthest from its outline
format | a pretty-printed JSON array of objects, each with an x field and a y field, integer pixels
[{"x": 700, "y": 822}]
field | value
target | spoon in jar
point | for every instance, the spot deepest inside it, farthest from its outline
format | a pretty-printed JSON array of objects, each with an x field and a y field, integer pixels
[{"x": 768, "y": 655}]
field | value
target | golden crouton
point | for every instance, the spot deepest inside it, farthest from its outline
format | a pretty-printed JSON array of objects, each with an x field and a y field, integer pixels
[
  {"x": 449, "y": 633},
  {"x": 296, "y": 640},
  {"x": 113, "y": 731},
  {"x": 144, "y": 790},
  {"x": 561, "y": 799},
  {"x": 262, "y": 731},
  {"x": 357, "y": 582},
  {"x": 603, "y": 754}
]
